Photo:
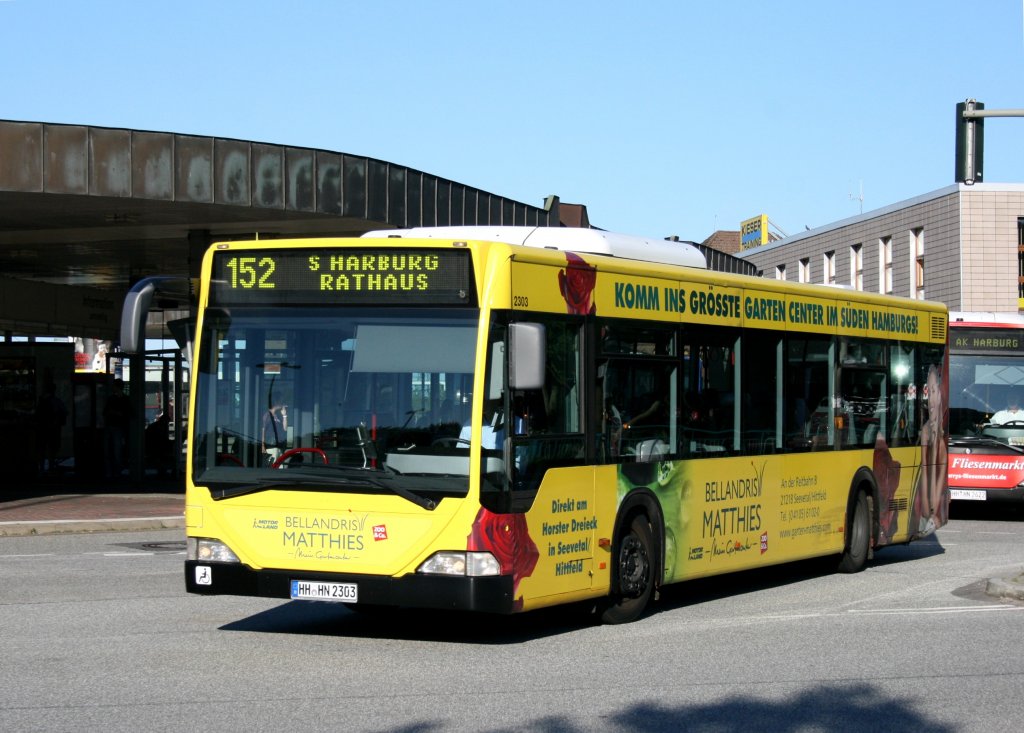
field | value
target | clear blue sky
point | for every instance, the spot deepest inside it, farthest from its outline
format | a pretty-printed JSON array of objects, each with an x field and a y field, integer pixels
[{"x": 672, "y": 117}]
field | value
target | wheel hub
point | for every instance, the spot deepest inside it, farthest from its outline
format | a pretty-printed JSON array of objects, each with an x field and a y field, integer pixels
[{"x": 634, "y": 566}]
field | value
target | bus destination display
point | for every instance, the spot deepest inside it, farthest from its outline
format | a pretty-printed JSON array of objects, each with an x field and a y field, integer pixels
[
  {"x": 1009, "y": 341},
  {"x": 341, "y": 276}
]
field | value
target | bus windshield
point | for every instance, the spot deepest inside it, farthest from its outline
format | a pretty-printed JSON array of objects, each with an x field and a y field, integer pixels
[
  {"x": 980, "y": 387},
  {"x": 384, "y": 390}
]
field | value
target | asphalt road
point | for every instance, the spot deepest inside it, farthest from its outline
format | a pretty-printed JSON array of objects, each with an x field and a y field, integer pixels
[{"x": 97, "y": 633}]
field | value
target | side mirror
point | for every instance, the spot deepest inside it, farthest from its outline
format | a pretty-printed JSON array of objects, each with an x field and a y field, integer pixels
[
  {"x": 136, "y": 307},
  {"x": 527, "y": 355}
]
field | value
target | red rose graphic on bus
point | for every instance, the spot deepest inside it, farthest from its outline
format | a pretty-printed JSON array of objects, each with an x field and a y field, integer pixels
[
  {"x": 507, "y": 537},
  {"x": 887, "y": 474},
  {"x": 576, "y": 283}
]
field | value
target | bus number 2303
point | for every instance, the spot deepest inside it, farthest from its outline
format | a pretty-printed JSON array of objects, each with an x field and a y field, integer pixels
[
  {"x": 520, "y": 301},
  {"x": 251, "y": 272}
]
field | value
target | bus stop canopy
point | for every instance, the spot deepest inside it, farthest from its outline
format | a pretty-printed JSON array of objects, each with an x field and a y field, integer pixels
[{"x": 86, "y": 211}]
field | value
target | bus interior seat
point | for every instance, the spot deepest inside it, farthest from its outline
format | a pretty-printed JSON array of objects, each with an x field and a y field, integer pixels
[{"x": 651, "y": 450}]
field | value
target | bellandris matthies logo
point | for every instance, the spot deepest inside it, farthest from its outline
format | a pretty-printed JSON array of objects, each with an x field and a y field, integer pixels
[{"x": 380, "y": 532}]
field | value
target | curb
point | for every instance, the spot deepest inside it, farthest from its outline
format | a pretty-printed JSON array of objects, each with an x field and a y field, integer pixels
[
  {"x": 1010, "y": 588},
  {"x": 70, "y": 526}
]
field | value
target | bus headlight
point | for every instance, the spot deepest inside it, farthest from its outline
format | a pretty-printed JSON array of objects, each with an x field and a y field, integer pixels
[
  {"x": 200, "y": 548},
  {"x": 473, "y": 564}
]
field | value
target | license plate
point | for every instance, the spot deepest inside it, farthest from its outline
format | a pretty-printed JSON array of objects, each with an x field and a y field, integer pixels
[
  {"x": 311, "y": 590},
  {"x": 967, "y": 494}
]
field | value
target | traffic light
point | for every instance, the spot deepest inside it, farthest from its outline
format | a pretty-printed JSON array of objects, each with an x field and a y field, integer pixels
[{"x": 970, "y": 139}]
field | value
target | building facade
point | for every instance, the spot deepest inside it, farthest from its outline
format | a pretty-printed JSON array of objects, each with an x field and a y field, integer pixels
[{"x": 959, "y": 245}]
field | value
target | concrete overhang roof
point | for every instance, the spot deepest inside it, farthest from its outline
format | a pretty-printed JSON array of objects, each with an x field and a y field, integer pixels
[{"x": 100, "y": 208}]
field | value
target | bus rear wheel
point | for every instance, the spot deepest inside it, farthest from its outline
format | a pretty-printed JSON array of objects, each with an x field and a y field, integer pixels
[
  {"x": 858, "y": 536},
  {"x": 634, "y": 574}
]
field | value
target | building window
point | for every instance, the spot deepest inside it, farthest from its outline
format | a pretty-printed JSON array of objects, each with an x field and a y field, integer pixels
[
  {"x": 885, "y": 265},
  {"x": 780, "y": 272},
  {"x": 829, "y": 266},
  {"x": 805, "y": 270},
  {"x": 857, "y": 266},
  {"x": 1020, "y": 261},
  {"x": 917, "y": 263}
]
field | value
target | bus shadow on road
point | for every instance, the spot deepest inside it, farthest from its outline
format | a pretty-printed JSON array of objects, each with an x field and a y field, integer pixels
[
  {"x": 929, "y": 546},
  {"x": 332, "y": 619},
  {"x": 998, "y": 511},
  {"x": 703, "y": 590}
]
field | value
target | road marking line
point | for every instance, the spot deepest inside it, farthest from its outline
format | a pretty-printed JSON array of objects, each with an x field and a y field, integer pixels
[
  {"x": 934, "y": 610},
  {"x": 81, "y": 521}
]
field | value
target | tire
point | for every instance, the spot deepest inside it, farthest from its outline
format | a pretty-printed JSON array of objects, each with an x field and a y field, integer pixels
[
  {"x": 634, "y": 574},
  {"x": 858, "y": 536}
]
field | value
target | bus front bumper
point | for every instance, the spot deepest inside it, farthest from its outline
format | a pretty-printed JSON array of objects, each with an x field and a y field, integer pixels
[{"x": 489, "y": 594}]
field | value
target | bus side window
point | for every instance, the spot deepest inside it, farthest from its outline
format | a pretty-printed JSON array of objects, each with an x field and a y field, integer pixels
[
  {"x": 862, "y": 412},
  {"x": 902, "y": 388},
  {"x": 546, "y": 424},
  {"x": 641, "y": 408},
  {"x": 556, "y": 408},
  {"x": 762, "y": 396},
  {"x": 806, "y": 382},
  {"x": 709, "y": 384},
  {"x": 608, "y": 409}
]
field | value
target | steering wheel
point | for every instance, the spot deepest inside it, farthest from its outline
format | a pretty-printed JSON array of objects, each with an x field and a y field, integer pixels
[{"x": 282, "y": 460}]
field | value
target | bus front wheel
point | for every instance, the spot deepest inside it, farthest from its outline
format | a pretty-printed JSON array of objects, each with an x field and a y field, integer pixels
[
  {"x": 634, "y": 573},
  {"x": 858, "y": 536}
]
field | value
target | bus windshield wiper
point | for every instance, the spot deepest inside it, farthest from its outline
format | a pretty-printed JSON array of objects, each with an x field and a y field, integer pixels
[
  {"x": 983, "y": 440},
  {"x": 268, "y": 483}
]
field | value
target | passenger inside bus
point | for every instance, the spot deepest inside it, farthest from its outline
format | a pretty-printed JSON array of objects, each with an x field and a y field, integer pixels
[
  {"x": 1012, "y": 413},
  {"x": 650, "y": 409},
  {"x": 274, "y": 429},
  {"x": 611, "y": 428}
]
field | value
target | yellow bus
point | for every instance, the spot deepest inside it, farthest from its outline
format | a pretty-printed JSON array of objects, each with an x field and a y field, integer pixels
[{"x": 503, "y": 419}]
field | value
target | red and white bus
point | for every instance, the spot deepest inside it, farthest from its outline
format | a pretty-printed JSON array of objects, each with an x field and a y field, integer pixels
[{"x": 986, "y": 373}]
